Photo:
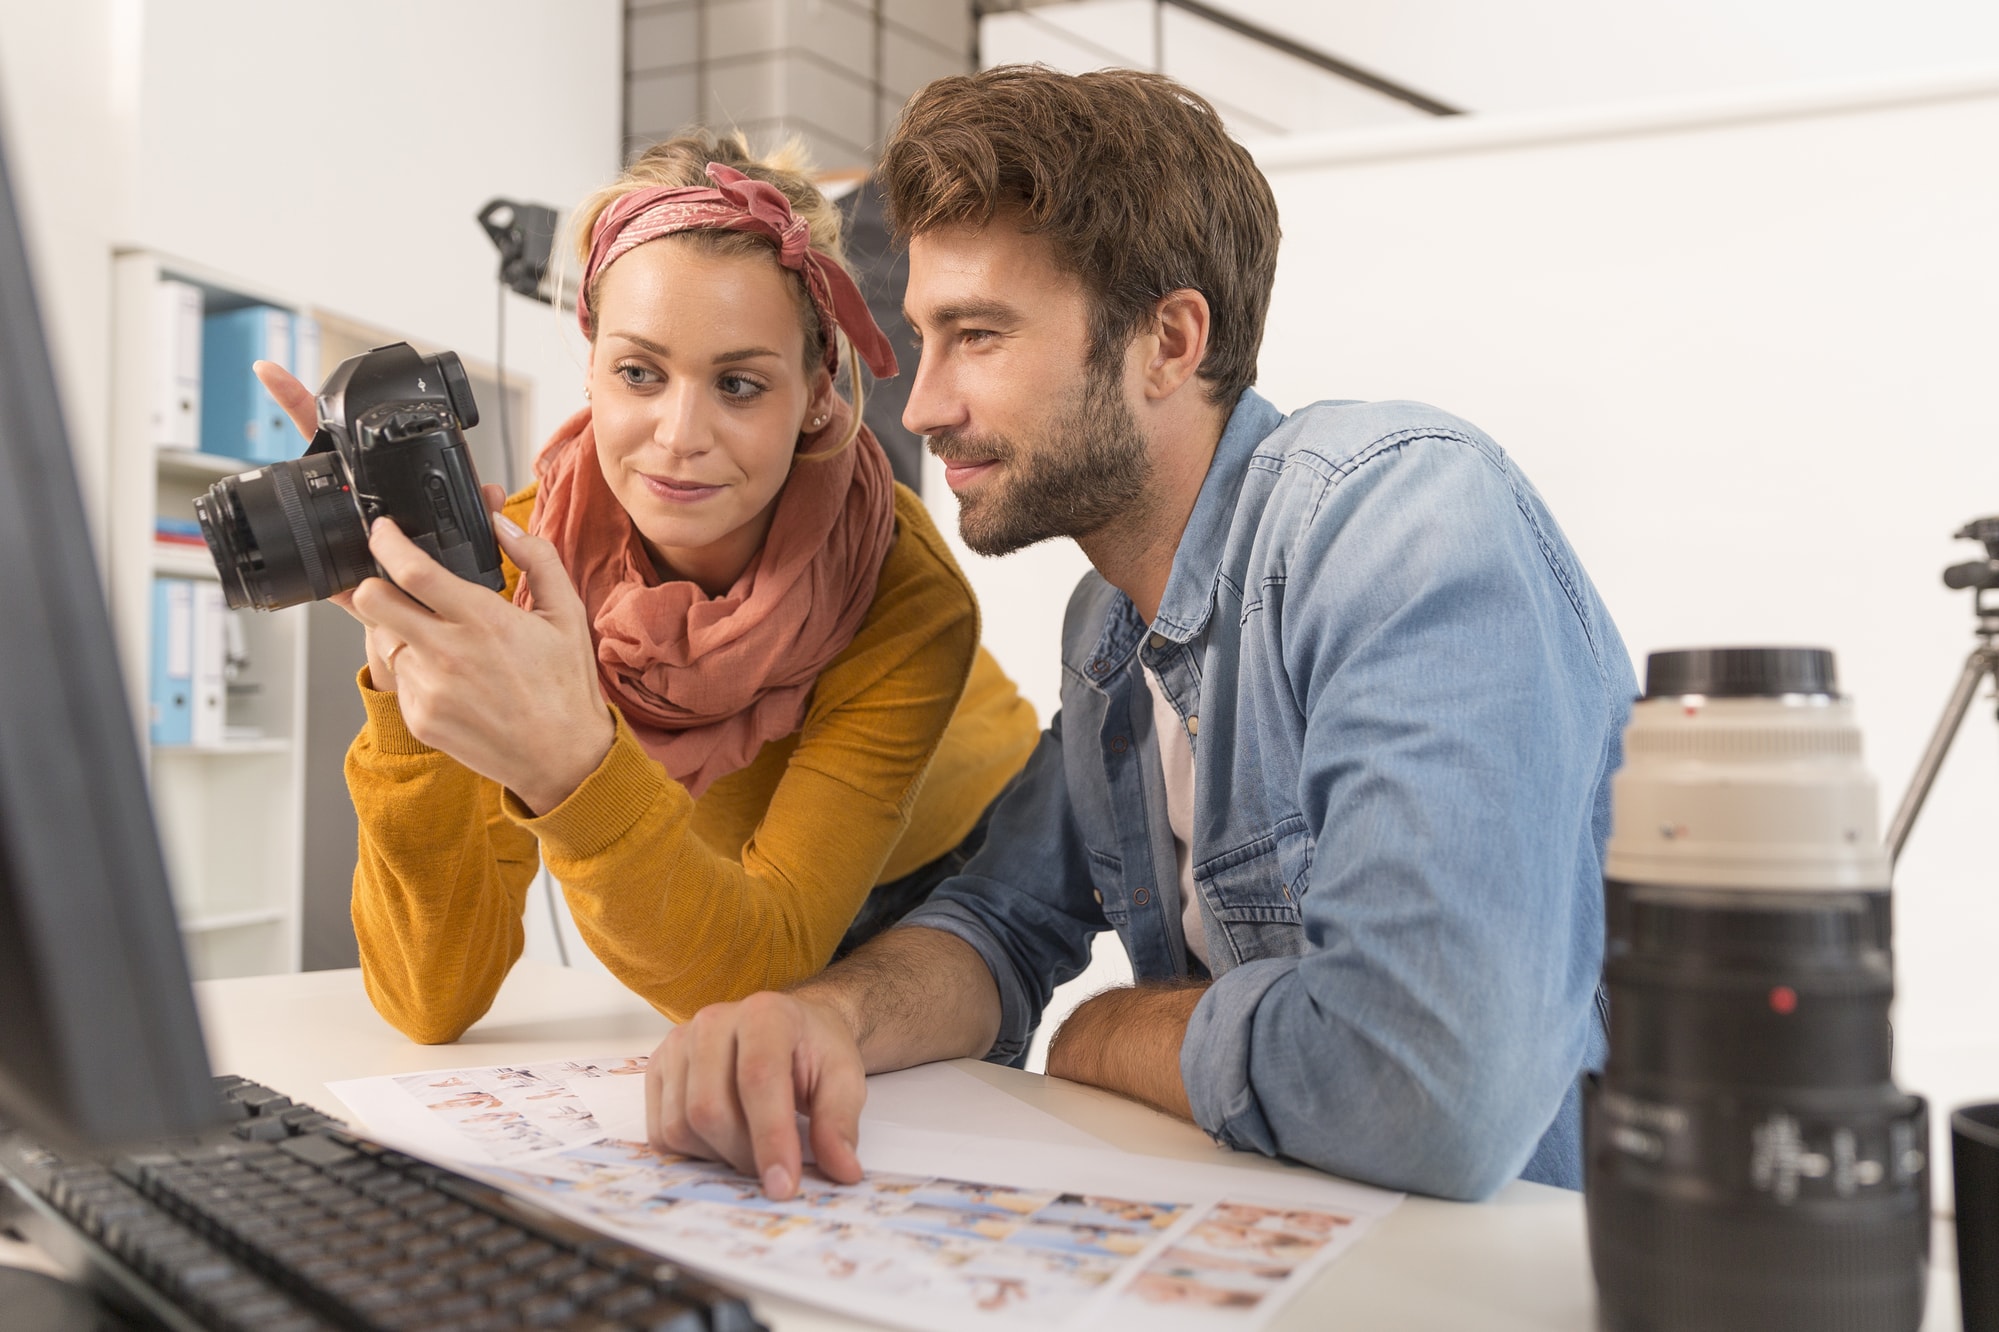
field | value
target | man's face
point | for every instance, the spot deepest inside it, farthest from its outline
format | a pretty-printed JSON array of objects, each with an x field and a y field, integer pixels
[{"x": 1036, "y": 443}]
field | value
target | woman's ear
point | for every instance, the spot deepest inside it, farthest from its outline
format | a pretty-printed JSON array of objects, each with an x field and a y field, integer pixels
[{"x": 820, "y": 409}]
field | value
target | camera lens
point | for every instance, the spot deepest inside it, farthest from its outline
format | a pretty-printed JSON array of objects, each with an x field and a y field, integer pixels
[
  {"x": 285, "y": 534},
  {"x": 1749, "y": 1162}
]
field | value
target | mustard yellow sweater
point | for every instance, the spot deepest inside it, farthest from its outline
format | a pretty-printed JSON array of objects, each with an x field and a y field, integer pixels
[{"x": 911, "y": 732}]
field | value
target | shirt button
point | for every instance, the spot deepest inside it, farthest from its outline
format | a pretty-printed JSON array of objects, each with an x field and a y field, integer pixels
[
  {"x": 1193, "y": 726},
  {"x": 1142, "y": 896},
  {"x": 1117, "y": 744},
  {"x": 1158, "y": 641}
]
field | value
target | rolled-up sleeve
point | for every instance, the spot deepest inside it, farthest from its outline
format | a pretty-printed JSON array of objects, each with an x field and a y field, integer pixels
[
  {"x": 1455, "y": 726},
  {"x": 1024, "y": 902}
]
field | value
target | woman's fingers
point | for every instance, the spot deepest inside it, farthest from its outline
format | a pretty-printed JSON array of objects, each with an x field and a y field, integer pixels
[
  {"x": 286, "y": 390},
  {"x": 554, "y": 595}
]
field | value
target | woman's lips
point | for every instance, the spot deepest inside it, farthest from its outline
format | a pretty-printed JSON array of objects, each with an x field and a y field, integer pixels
[
  {"x": 679, "y": 492},
  {"x": 957, "y": 474}
]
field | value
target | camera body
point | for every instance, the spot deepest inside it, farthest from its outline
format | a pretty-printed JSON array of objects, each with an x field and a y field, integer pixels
[{"x": 390, "y": 444}]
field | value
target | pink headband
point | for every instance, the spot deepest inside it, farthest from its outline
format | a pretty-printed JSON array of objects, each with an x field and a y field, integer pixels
[{"x": 737, "y": 203}]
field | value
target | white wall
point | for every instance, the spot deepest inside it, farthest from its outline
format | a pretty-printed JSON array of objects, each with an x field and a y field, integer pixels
[
  {"x": 338, "y": 152},
  {"x": 68, "y": 107},
  {"x": 334, "y": 153},
  {"x": 1747, "y": 353}
]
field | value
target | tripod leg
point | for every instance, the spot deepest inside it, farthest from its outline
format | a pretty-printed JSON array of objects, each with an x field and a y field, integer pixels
[{"x": 1981, "y": 662}]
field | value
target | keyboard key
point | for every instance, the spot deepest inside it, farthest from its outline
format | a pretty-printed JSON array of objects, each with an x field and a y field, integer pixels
[
  {"x": 529, "y": 1255},
  {"x": 546, "y": 1311},
  {"x": 557, "y": 1269},
  {"x": 587, "y": 1286}
]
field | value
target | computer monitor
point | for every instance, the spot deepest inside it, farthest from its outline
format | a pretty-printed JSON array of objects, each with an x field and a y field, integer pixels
[{"x": 99, "y": 1041}]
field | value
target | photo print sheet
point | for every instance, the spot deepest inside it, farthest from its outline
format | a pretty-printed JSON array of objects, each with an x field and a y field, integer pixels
[
  {"x": 1055, "y": 1235},
  {"x": 494, "y": 1115}
]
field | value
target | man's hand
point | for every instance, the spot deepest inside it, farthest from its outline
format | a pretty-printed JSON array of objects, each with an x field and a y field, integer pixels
[
  {"x": 1128, "y": 1041},
  {"x": 730, "y": 1082}
]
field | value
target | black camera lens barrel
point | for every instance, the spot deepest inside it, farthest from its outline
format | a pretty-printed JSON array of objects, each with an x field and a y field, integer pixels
[
  {"x": 1748, "y": 1161},
  {"x": 285, "y": 534}
]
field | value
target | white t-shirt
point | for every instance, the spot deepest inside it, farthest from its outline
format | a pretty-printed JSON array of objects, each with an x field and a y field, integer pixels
[{"x": 1176, "y": 763}]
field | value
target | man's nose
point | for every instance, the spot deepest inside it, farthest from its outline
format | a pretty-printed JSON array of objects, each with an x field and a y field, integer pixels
[{"x": 935, "y": 405}]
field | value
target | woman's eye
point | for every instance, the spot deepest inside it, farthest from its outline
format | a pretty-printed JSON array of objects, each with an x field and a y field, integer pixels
[
  {"x": 740, "y": 387},
  {"x": 636, "y": 375}
]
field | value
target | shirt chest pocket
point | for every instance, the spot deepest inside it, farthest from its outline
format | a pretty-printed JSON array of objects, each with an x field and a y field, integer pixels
[{"x": 1253, "y": 884}]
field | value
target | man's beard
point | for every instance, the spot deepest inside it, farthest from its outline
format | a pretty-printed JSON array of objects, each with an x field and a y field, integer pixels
[{"x": 1089, "y": 466}]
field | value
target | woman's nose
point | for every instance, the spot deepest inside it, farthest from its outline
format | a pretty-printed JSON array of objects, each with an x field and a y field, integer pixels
[{"x": 682, "y": 429}]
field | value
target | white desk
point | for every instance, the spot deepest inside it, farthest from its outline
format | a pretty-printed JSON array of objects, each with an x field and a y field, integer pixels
[{"x": 1516, "y": 1264}]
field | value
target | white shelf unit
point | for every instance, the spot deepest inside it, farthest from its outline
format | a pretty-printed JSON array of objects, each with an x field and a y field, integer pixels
[
  {"x": 259, "y": 833},
  {"x": 231, "y": 815}
]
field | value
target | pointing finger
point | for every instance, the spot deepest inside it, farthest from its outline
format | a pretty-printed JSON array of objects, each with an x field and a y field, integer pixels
[{"x": 286, "y": 390}]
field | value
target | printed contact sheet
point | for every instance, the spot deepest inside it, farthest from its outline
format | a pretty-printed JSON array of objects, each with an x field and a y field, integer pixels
[{"x": 1064, "y": 1241}]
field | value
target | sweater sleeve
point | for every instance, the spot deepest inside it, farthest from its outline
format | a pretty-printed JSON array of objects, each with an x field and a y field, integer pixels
[
  {"x": 685, "y": 924},
  {"x": 440, "y": 883},
  {"x": 442, "y": 874}
]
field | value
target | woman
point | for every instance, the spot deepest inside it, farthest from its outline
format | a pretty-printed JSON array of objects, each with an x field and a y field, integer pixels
[{"x": 801, "y": 726}]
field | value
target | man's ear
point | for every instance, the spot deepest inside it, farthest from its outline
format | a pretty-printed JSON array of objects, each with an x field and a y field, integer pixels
[{"x": 1179, "y": 341}]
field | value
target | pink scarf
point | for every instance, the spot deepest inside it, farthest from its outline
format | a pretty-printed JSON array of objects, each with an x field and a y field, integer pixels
[{"x": 706, "y": 682}]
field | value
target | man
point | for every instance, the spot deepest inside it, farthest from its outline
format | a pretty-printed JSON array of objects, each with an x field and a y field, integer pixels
[{"x": 1339, "y": 708}]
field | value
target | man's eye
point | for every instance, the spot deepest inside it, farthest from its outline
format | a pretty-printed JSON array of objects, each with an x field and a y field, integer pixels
[{"x": 975, "y": 336}]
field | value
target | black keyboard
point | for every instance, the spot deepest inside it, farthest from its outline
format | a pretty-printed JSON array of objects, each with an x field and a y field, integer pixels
[{"x": 286, "y": 1221}]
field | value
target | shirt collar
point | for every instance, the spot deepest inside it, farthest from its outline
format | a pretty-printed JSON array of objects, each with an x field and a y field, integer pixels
[{"x": 1197, "y": 562}]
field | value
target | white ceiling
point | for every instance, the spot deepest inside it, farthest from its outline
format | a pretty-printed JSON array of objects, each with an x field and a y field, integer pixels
[{"x": 1502, "y": 55}]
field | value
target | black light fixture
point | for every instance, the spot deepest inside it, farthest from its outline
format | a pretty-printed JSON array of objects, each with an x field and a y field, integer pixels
[{"x": 524, "y": 234}]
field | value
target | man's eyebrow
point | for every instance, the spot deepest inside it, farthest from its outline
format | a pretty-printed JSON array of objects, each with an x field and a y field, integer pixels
[{"x": 969, "y": 312}]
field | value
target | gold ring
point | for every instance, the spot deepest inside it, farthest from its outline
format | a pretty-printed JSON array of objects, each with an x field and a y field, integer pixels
[{"x": 390, "y": 659}]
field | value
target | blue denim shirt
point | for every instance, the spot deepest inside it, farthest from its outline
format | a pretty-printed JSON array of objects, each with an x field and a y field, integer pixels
[{"x": 1406, "y": 702}]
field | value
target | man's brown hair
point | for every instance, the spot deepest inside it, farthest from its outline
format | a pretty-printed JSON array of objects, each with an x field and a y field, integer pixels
[{"x": 1129, "y": 175}]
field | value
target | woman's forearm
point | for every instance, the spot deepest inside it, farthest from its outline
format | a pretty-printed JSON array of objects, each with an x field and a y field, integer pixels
[{"x": 439, "y": 886}]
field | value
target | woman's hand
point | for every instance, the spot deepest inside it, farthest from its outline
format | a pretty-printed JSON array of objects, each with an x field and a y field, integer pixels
[
  {"x": 299, "y": 404},
  {"x": 511, "y": 694},
  {"x": 302, "y": 407}
]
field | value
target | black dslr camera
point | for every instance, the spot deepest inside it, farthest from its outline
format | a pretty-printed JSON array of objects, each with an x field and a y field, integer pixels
[{"x": 391, "y": 444}]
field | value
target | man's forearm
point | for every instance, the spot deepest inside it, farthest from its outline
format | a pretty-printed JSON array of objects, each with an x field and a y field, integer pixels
[
  {"x": 911, "y": 996},
  {"x": 1128, "y": 1041}
]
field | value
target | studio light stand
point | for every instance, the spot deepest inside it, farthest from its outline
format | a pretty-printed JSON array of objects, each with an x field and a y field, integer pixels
[{"x": 1982, "y": 576}]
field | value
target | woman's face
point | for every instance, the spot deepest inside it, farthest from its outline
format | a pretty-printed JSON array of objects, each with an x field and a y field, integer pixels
[{"x": 698, "y": 390}]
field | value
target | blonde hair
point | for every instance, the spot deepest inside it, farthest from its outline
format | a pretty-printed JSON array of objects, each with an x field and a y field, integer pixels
[{"x": 683, "y": 160}]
